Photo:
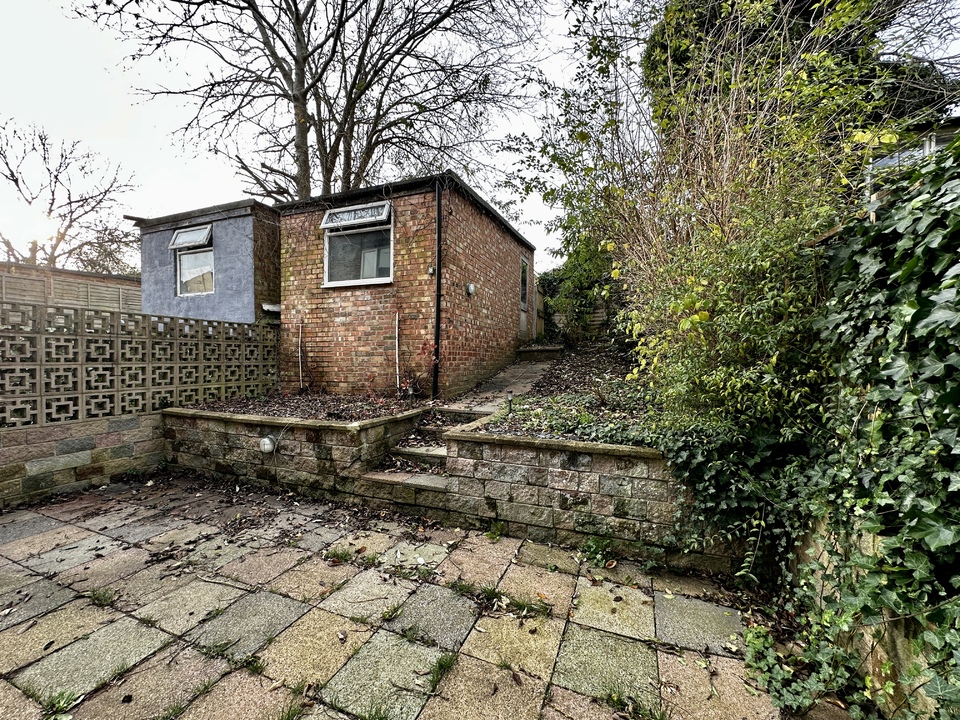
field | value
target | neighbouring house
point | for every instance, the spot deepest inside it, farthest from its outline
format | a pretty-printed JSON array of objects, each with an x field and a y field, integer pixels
[
  {"x": 217, "y": 263},
  {"x": 419, "y": 286}
]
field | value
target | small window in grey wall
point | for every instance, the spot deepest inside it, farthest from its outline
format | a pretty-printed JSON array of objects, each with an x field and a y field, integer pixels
[
  {"x": 191, "y": 237},
  {"x": 195, "y": 272},
  {"x": 524, "y": 272}
]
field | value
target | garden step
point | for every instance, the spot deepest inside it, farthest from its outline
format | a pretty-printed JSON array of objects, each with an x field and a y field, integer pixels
[{"x": 435, "y": 455}]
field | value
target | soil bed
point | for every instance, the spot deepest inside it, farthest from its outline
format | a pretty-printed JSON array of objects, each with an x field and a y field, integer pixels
[{"x": 341, "y": 408}]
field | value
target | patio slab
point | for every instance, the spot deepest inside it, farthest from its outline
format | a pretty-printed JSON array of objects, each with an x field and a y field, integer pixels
[
  {"x": 43, "y": 542},
  {"x": 698, "y": 625},
  {"x": 476, "y": 690},
  {"x": 14, "y": 705},
  {"x": 478, "y": 561},
  {"x": 710, "y": 688},
  {"x": 549, "y": 558},
  {"x": 188, "y": 605},
  {"x": 368, "y": 595},
  {"x": 436, "y": 616},
  {"x": 313, "y": 580},
  {"x": 537, "y": 585},
  {"x": 92, "y": 661},
  {"x": 23, "y": 524},
  {"x": 597, "y": 663},
  {"x": 244, "y": 627},
  {"x": 216, "y": 552},
  {"x": 147, "y": 585},
  {"x": 12, "y": 577},
  {"x": 409, "y": 555},
  {"x": 614, "y": 608},
  {"x": 261, "y": 566},
  {"x": 239, "y": 695},
  {"x": 76, "y": 553},
  {"x": 563, "y": 704},
  {"x": 314, "y": 648},
  {"x": 22, "y": 644},
  {"x": 102, "y": 572},
  {"x": 168, "y": 680},
  {"x": 527, "y": 645},
  {"x": 31, "y": 600},
  {"x": 388, "y": 674}
]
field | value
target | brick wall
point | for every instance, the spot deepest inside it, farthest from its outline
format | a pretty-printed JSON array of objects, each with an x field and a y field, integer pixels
[
  {"x": 480, "y": 334},
  {"x": 37, "y": 460},
  {"x": 348, "y": 333},
  {"x": 342, "y": 339}
]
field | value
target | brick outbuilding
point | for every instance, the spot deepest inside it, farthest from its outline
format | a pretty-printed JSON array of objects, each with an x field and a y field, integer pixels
[{"x": 419, "y": 284}]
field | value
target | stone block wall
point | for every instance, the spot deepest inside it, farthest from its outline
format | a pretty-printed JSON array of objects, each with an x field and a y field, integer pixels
[
  {"x": 71, "y": 456},
  {"x": 310, "y": 455}
]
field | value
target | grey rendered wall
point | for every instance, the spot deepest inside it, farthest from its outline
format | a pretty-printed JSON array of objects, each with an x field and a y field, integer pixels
[{"x": 233, "y": 297}]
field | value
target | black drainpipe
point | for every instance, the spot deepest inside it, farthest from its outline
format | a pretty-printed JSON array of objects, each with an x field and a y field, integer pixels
[{"x": 436, "y": 314}]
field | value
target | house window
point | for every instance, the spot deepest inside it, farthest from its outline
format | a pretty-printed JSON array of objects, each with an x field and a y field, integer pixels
[
  {"x": 194, "y": 260},
  {"x": 523, "y": 283},
  {"x": 358, "y": 245}
]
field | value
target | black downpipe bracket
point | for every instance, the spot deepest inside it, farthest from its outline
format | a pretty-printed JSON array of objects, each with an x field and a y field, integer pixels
[{"x": 438, "y": 295}]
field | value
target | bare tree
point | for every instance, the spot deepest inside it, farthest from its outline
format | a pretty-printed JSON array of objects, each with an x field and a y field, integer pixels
[
  {"x": 77, "y": 191},
  {"x": 336, "y": 93}
]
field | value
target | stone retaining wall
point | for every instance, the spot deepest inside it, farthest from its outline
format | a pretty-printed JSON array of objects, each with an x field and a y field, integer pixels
[
  {"x": 310, "y": 455},
  {"x": 547, "y": 490},
  {"x": 71, "y": 456}
]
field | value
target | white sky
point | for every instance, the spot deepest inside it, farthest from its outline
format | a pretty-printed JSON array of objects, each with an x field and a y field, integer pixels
[{"x": 69, "y": 77}]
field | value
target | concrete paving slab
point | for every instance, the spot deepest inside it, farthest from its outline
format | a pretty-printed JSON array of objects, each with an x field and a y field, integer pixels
[
  {"x": 186, "y": 534},
  {"x": 26, "y": 524},
  {"x": 710, "y": 688},
  {"x": 262, "y": 566},
  {"x": 563, "y": 704},
  {"x": 166, "y": 681},
  {"x": 13, "y": 516},
  {"x": 322, "y": 711},
  {"x": 14, "y": 705},
  {"x": 105, "y": 571},
  {"x": 22, "y": 644},
  {"x": 368, "y": 595},
  {"x": 475, "y": 690},
  {"x": 89, "y": 663},
  {"x": 436, "y": 616},
  {"x": 550, "y": 558},
  {"x": 698, "y": 625},
  {"x": 43, "y": 542},
  {"x": 76, "y": 508},
  {"x": 317, "y": 538},
  {"x": 684, "y": 585},
  {"x": 313, "y": 580},
  {"x": 478, "y": 561},
  {"x": 216, "y": 552},
  {"x": 624, "y": 572},
  {"x": 76, "y": 553},
  {"x": 187, "y": 606},
  {"x": 614, "y": 608},
  {"x": 122, "y": 514},
  {"x": 242, "y": 696},
  {"x": 365, "y": 543},
  {"x": 387, "y": 673},
  {"x": 144, "y": 587},
  {"x": 247, "y": 625},
  {"x": 537, "y": 585},
  {"x": 12, "y": 577},
  {"x": 314, "y": 648},
  {"x": 597, "y": 663},
  {"x": 529, "y": 645},
  {"x": 410, "y": 555},
  {"x": 30, "y": 600},
  {"x": 138, "y": 531}
]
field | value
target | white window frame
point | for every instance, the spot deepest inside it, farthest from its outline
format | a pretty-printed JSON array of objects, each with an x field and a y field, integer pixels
[
  {"x": 201, "y": 241},
  {"x": 355, "y": 228},
  {"x": 358, "y": 281},
  {"x": 195, "y": 251},
  {"x": 329, "y": 217}
]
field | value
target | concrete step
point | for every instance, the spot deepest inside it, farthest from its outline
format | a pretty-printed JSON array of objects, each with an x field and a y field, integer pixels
[{"x": 435, "y": 455}]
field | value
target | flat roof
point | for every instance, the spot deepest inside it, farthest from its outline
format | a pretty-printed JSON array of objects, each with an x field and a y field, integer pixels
[
  {"x": 232, "y": 209},
  {"x": 388, "y": 190}
]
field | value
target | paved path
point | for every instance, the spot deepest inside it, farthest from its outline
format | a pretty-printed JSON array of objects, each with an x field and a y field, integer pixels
[
  {"x": 491, "y": 394},
  {"x": 176, "y": 600}
]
